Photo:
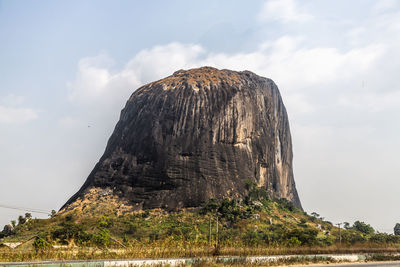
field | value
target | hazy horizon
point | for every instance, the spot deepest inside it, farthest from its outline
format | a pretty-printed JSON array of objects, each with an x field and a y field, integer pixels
[{"x": 67, "y": 69}]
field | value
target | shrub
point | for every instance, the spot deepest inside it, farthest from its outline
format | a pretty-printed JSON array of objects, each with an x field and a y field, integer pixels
[
  {"x": 286, "y": 205},
  {"x": 384, "y": 238},
  {"x": 105, "y": 222},
  {"x": 68, "y": 231},
  {"x": 21, "y": 220},
  {"x": 210, "y": 206},
  {"x": 363, "y": 227},
  {"x": 102, "y": 239},
  {"x": 293, "y": 242},
  {"x": 254, "y": 192},
  {"x": 352, "y": 237},
  {"x": 53, "y": 213},
  {"x": 305, "y": 236},
  {"x": 253, "y": 238},
  {"x": 230, "y": 210},
  {"x": 302, "y": 223},
  {"x": 40, "y": 244},
  {"x": 132, "y": 228}
]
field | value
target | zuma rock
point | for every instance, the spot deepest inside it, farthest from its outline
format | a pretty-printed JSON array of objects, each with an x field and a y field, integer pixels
[{"x": 196, "y": 135}]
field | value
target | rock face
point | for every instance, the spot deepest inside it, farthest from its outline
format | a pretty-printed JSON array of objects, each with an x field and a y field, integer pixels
[{"x": 196, "y": 135}]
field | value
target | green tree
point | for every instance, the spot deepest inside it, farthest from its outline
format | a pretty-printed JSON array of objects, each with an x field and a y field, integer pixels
[
  {"x": 397, "y": 229},
  {"x": 210, "y": 206},
  {"x": 102, "y": 239},
  {"x": 28, "y": 216},
  {"x": 315, "y": 215},
  {"x": 230, "y": 210},
  {"x": 105, "y": 222},
  {"x": 70, "y": 230},
  {"x": 53, "y": 213},
  {"x": 13, "y": 223},
  {"x": 21, "y": 220},
  {"x": 40, "y": 244},
  {"x": 293, "y": 242},
  {"x": 363, "y": 227},
  {"x": 305, "y": 236}
]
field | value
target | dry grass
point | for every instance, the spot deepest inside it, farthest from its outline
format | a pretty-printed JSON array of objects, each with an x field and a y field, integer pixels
[{"x": 29, "y": 254}]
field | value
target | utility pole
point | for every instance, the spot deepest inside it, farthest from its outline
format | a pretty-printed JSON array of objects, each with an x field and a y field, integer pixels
[
  {"x": 216, "y": 240},
  {"x": 209, "y": 232},
  {"x": 340, "y": 234},
  {"x": 216, "y": 232}
]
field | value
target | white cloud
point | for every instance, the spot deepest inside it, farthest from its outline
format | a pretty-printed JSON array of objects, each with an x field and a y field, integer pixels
[
  {"x": 12, "y": 100},
  {"x": 11, "y": 115},
  {"x": 162, "y": 60},
  {"x": 371, "y": 101},
  {"x": 96, "y": 84},
  {"x": 294, "y": 68},
  {"x": 11, "y": 111},
  {"x": 382, "y": 6},
  {"x": 70, "y": 123},
  {"x": 93, "y": 79},
  {"x": 285, "y": 11}
]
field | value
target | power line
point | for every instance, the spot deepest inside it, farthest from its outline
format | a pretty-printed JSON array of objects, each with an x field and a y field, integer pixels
[{"x": 24, "y": 209}]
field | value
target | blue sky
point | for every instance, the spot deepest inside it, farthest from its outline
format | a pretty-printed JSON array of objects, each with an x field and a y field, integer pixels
[{"x": 67, "y": 68}]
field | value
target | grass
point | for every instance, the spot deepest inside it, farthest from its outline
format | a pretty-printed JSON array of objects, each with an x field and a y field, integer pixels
[{"x": 159, "y": 250}]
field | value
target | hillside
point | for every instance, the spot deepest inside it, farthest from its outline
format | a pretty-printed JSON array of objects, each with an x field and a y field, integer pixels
[{"x": 254, "y": 226}]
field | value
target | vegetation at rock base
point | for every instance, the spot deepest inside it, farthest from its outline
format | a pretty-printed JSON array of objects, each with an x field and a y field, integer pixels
[{"x": 255, "y": 225}]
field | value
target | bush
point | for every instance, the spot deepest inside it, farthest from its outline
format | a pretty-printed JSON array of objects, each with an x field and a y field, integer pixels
[
  {"x": 105, "y": 222},
  {"x": 254, "y": 238},
  {"x": 363, "y": 227},
  {"x": 132, "y": 228},
  {"x": 293, "y": 242},
  {"x": 145, "y": 214},
  {"x": 209, "y": 207},
  {"x": 227, "y": 209},
  {"x": 40, "y": 244},
  {"x": 102, "y": 239},
  {"x": 384, "y": 238},
  {"x": 68, "y": 231},
  {"x": 21, "y": 220},
  {"x": 286, "y": 205},
  {"x": 302, "y": 223},
  {"x": 255, "y": 193},
  {"x": 352, "y": 237},
  {"x": 306, "y": 236},
  {"x": 230, "y": 210}
]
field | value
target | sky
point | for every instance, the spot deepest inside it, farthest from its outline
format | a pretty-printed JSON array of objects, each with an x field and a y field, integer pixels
[{"x": 68, "y": 67}]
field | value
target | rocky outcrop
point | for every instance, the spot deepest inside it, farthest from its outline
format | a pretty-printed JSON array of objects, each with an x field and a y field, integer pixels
[
  {"x": 8, "y": 229},
  {"x": 196, "y": 135}
]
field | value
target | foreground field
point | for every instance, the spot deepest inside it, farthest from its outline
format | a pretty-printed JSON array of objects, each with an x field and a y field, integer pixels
[{"x": 287, "y": 260}]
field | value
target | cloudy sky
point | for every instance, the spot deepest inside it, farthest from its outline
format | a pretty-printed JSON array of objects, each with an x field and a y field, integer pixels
[{"x": 67, "y": 68}]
